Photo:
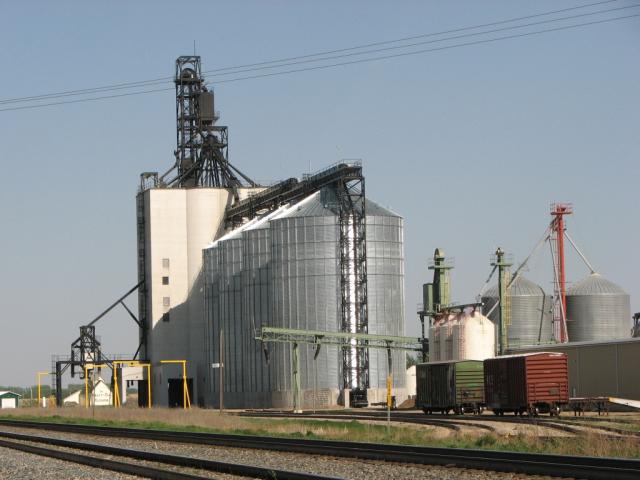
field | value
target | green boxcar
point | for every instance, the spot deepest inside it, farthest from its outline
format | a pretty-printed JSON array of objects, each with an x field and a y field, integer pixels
[{"x": 456, "y": 386}]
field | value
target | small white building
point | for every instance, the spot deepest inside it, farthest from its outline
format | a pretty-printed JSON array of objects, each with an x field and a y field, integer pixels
[
  {"x": 9, "y": 399},
  {"x": 73, "y": 399},
  {"x": 101, "y": 395}
]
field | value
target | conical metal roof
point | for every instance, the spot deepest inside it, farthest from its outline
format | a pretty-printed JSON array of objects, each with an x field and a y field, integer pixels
[
  {"x": 521, "y": 287},
  {"x": 324, "y": 203},
  {"x": 595, "y": 284}
]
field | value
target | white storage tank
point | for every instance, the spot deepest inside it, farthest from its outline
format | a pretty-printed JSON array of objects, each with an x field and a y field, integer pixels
[
  {"x": 434, "y": 342},
  {"x": 473, "y": 337}
]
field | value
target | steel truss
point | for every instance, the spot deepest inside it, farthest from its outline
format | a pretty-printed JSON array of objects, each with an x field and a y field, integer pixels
[
  {"x": 346, "y": 341},
  {"x": 350, "y": 195},
  {"x": 202, "y": 154},
  {"x": 340, "y": 339},
  {"x": 86, "y": 349}
]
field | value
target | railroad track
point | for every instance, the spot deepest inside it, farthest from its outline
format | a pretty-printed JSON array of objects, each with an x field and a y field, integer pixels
[
  {"x": 446, "y": 421},
  {"x": 453, "y": 422},
  {"x": 142, "y": 470},
  {"x": 527, "y": 463},
  {"x": 448, "y": 424}
]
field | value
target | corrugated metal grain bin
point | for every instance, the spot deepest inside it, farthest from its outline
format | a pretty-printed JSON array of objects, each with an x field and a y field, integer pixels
[
  {"x": 530, "y": 382},
  {"x": 445, "y": 386}
]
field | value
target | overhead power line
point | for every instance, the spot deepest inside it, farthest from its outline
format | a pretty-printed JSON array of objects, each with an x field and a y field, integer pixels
[
  {"x": 218, "y": 71},
  {"x": 436, "y": 49},
  {"x": 337, "y": 64},
  {"x": 426, "y": 42},
  {"x": 413, "y": 37}
]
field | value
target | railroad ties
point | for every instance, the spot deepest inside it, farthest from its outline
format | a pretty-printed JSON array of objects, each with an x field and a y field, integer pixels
[{"x": 514, "y": 462}]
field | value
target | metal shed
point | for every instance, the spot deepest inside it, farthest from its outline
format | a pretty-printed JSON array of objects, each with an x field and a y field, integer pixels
[
  {"x": 9, "y": 399},
  {"x": 601, "y": 369}
]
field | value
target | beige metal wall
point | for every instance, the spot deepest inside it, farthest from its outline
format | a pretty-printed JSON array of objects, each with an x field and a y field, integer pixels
[{"x": 608, "y": 369}]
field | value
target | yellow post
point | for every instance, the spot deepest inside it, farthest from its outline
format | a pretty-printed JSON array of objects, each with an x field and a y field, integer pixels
[
  {"x": 149, "y": 384},
  {"x": 40, "y": 374},
  {"x": 116, "y": 395},
  {"x": 186, "y": 401},
  {"x": 86, "y": 387}
]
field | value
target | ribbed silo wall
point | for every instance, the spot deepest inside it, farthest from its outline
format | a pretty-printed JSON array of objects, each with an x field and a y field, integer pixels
[
  {"x": 385, "y": 287},
  {"x": 257, "y": 312},
  {"x": 306, "y": 293},
  {"x": 531, "y": 313},
  {"x": 211, "y": 293},
  {"x": 223, "y": 313},
  {"x": 597, "y": 309}
]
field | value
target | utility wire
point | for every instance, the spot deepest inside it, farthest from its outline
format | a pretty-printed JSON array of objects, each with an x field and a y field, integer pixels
[
  {"x": 396, "y": 47},
  {"x": 333, "y": 65},
  {"x": 80, "y": 100},
  {"x": 416, "y": 52},
  {"x": 128, "y": 85},
  {"x": 413, "y": 37}
]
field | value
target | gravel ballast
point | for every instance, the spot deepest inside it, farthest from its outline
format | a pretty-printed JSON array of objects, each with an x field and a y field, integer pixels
[
  {"x": 323, "y": 465},
  {"x": 16, "y": 465}
]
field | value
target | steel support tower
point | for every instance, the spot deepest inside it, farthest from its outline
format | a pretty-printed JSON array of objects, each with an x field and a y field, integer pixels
[
  {"x": 558, "y": 211},
  {"x": 353, "y": 281},
  {"x": 202, "y": 146}
]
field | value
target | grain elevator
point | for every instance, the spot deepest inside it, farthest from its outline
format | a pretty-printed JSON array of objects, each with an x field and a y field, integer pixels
[{"x": 220, "y": 256}]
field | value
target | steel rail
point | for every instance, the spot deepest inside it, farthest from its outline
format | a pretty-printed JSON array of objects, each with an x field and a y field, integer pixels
[
  {"x": 590, "y": 468},
  {"x": 567, "y": 424},
  {"x": 176, "y": 460},
  {"x": 374, "y": 418},
  {"x": 100, "y": 463},
  {"x": 452, "y": 422}
]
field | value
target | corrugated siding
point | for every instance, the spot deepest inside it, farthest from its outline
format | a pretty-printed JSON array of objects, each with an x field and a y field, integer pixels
[
  {"x": 547, "y": 378},
  {"x": 598, "y": 317},
  {"x": 285, "y": 273},
  {"x": 385, "y": 274},
  {"x": 531, "y": 313},
  {"x": 306, "y": 287},
  {"x": 440, "y": 385},
  {"x": 469, "y": 382},
  {"x": 421, "y": 385},
  {"x": 504, "y": 382},
  {"x": 519, "y": 381}
]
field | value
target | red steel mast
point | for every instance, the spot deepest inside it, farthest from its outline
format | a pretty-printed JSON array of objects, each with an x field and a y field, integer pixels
[{"x": 558, "y": 211}]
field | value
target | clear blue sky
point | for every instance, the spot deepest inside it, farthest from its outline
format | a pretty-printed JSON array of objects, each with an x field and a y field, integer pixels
[{"x": 470, "y": 145}]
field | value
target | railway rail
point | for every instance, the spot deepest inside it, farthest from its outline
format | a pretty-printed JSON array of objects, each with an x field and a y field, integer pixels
[
  {"x": 142, "y": 470},
  {"x": 454, "y": 422},
  {"x": 448, "y": 424},
  {"x": 447, "y": 421},
  {"x": 526, "y": 463}
]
